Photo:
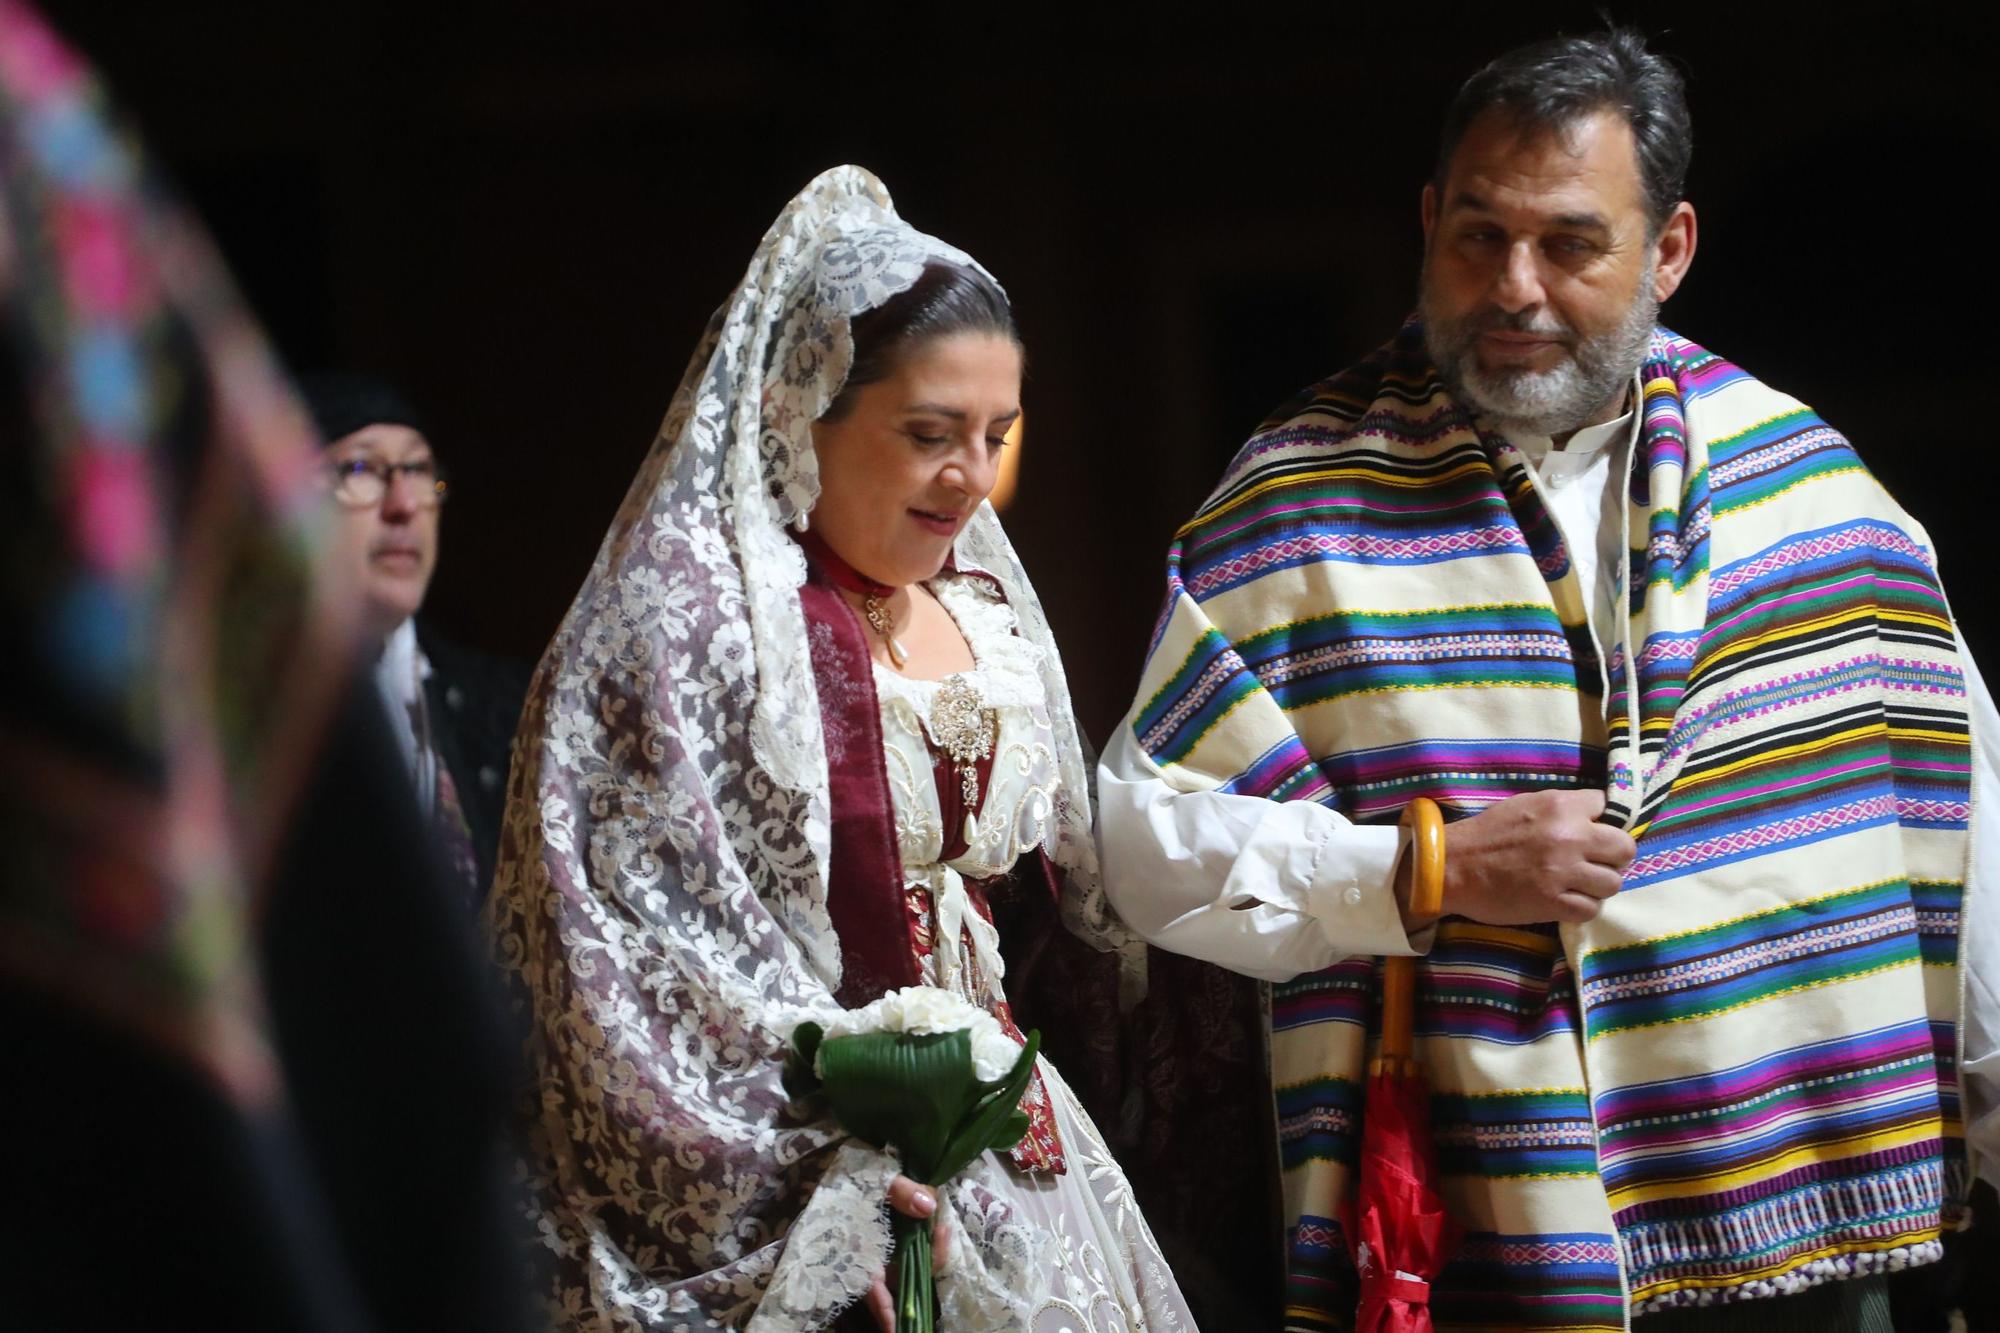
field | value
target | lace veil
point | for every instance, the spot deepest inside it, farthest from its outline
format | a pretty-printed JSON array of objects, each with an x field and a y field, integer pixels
[{"x": 661, "y": 893}]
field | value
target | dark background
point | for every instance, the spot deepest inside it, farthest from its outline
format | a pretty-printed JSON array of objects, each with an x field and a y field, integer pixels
[{"x": 524, "y": 213}]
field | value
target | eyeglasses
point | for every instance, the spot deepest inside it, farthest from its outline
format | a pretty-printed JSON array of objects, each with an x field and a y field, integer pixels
[{"x": 361, "y": 483}]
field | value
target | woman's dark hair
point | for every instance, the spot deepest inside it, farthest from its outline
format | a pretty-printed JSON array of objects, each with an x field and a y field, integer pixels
[
  {"x": 947, "y": 299},
  {"x": 1554, "y": 84}
]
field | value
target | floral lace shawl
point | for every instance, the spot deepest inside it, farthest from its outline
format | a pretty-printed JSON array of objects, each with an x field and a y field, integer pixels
[{"x": 661, "y": 896}]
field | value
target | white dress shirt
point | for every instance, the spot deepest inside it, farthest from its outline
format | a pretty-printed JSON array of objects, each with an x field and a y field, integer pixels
[
  {"x": 1274, "y": 889},
  {"x": 400, "y": 673}
]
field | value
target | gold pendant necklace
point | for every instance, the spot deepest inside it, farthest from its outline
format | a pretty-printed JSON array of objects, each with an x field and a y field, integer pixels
[
  {"x": 965, "y": 730},
  {"x": 877, "y": 611}
]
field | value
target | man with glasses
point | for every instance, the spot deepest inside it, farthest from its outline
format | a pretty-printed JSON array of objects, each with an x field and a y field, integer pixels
[{"x": 453, "y": 710}]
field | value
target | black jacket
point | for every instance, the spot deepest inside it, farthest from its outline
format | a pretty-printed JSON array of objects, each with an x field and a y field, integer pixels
[{"x": 474, "y": 701}]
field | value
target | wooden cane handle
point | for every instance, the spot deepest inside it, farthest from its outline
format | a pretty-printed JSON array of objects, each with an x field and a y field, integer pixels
[
  {"x": 1399, "y": 975},
  {"x": 1426, "y": 825}
]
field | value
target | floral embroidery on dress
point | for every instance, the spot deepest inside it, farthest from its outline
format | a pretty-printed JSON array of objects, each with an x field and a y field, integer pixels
[
  {"x": 661, "y": 899},
  {"x": 1013, "y": 814}
]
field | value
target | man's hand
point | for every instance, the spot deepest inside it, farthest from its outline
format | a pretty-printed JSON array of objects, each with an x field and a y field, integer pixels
[{"x": 1529, "y": 859}]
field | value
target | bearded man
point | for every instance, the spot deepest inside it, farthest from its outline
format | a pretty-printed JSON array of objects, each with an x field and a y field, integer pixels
[{"x": 1684, "y": 683}]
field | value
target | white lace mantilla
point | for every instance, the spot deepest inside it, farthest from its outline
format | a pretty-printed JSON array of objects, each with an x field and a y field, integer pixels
[{"x": 660, "y": 901}]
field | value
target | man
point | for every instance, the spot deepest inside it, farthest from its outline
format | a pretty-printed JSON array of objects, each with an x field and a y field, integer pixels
[
  {"x": 452, "y": 711},
  {"x": 1682, "y": 679}
]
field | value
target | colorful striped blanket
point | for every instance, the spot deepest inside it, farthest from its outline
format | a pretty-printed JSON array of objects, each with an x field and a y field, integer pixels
[{"x": 1739, "y": 1080}]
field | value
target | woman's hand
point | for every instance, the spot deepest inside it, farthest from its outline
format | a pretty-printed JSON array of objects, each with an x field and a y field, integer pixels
[{"x": 910, "y": 1199}]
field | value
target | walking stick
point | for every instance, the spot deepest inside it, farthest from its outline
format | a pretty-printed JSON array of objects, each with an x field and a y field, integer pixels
[{"x": 1397, "y": 1053}]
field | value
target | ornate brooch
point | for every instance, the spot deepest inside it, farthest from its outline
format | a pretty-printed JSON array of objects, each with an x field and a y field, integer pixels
[{"x": 965, "y": 728}]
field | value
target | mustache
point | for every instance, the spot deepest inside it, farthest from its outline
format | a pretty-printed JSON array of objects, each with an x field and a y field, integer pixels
[{"x": 1539, "y": 321}]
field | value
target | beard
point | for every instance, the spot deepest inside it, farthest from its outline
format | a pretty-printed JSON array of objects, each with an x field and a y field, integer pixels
[{"x": 1555, "y": 401}]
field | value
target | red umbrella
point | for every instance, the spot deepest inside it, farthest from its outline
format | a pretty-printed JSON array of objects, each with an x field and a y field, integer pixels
[{"x": 1402, "y": 1234}]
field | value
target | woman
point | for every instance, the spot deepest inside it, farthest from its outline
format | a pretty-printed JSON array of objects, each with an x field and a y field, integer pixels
[{"x": 804, "y": 704}]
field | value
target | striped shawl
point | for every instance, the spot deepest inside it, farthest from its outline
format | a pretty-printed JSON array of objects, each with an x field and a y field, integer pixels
[{"x": 1741, "y": 1075}]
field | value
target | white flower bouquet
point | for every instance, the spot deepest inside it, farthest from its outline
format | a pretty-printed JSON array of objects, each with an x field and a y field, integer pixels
[{"x": 926, "y": 1073}]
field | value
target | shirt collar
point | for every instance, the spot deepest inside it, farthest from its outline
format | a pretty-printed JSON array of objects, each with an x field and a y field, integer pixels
[
  {"x": 401, "y": 666},
  {"x": 1587, "y": 440}
]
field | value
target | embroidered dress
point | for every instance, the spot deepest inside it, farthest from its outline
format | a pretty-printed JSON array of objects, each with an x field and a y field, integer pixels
[
  {"x": 1108, "y": 1272},
  {"x": 700, "y": 854}
]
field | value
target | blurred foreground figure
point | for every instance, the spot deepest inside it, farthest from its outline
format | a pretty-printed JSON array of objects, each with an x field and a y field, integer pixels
[{"x": 252, "y": 1081}]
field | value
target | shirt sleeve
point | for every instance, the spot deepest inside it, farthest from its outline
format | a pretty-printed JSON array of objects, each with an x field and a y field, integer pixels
[
  {"x": 1267, "y": 888},
  {"x": 1979, "y": 935}
]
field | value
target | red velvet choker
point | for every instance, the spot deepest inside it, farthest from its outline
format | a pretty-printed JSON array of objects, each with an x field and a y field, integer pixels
[
  {"x": 839, "y": 571},
  {"x": 874, "y": 596}
]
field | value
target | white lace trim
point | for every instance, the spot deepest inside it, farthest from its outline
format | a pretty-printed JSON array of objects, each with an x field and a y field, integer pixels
[
  {"x": 1007, "y": 669},
  {"x": 661, "y": 897},
  {"x": 995, "y": 1267},
  {"x": 1019, "y": 807}
]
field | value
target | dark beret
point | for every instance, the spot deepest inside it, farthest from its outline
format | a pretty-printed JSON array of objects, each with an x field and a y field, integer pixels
[{"x": 342, "y": 403}]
